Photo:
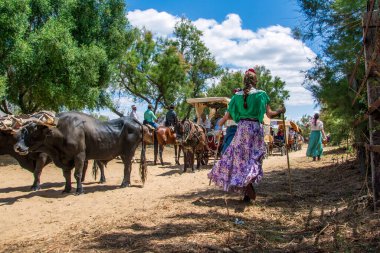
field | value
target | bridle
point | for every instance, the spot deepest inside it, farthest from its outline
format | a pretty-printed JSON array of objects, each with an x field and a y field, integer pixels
[{"x": 191, "y": 130}]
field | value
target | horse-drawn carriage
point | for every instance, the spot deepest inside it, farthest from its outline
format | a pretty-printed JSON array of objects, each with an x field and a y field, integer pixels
[
  {"x": 279, "y": 142},
  {"x": 215, "y": 106}
]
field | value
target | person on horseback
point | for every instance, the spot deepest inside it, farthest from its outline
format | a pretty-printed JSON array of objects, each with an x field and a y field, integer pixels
[
  {"x": 171, "y": 117},
  {"x": 133, "y": 113},
  {"x": 150, "y": 118},
  {"x": 241, "y": 164}
]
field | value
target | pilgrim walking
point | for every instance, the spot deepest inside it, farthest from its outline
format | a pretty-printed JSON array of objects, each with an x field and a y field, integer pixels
[{"x": 241, "y": 164}]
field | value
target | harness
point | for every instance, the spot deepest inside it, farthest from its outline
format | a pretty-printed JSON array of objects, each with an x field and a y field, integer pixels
[{"x": 193, "y": 131}]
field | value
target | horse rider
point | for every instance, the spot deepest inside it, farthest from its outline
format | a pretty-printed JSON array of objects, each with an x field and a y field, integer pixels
[
  {"x": 171, "y": 117},
  {"x": 150, "y": 118},
  {"x": 133, "y": 113}
]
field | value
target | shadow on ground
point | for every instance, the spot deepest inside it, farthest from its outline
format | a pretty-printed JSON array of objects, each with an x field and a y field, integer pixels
[
  {"x": 47, "y": 192},
  {"x": 327, "y": 211},
  {"x": 321, "y": 215}
]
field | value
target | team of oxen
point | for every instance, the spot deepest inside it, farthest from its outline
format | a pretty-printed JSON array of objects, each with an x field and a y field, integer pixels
[{"x": 71, "y": 139}]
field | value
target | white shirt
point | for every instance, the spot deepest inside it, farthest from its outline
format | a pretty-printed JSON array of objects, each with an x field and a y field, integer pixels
[
  {"x": 133, "y": 114},
  {"x": 317, "y": 127},
  {"x": 206, "y": 124}
]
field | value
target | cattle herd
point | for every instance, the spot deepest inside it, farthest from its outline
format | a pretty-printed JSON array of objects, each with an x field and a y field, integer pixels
[{"x": 70, "y": 139}]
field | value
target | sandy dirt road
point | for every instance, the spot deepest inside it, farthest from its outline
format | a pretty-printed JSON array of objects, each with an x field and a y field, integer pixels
[{"x": 179, "y": 212}]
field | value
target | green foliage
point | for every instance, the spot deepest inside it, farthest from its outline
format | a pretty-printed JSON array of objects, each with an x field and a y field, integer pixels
[
  {"x": 304, "y": 125},
  {"x": 153, "y": 71},
  {"x": 59, "y": 54},
  {"x": 167, "y": 71},
  {"x": 273, "y": 86},
  {"x": 202, "y": 65},
  {"x": 227, "y": 84},
  {"x": 2, "y": 86},
  {"x": 338, "y": 24}
]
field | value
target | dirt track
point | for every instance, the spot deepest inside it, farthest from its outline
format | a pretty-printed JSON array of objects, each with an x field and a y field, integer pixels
[{"x": 181, "y": 212}]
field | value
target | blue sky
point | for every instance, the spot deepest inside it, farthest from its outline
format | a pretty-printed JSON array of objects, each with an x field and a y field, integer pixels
[
  {"x": 240, "y": 34},
  {"x": 255, "y": 14}
]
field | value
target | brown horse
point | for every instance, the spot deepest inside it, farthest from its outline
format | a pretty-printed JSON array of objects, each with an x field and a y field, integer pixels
[
  {"x": 194, "y": 142},
  {"x": 166, "y": 136},
  {"x": 159, "y": 138}
]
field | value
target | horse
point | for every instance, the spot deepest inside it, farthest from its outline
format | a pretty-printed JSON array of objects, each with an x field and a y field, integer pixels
[
  {"x": 159, "y": 138},
  {"x": 194, "y": 142},
  {"x": 166, "y": 136}
]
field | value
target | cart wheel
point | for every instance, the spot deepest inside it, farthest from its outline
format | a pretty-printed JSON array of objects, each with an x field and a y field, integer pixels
[{"x": 283, "y": 150}]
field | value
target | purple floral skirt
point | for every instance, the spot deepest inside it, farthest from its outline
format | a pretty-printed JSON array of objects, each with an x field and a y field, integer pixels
[{"x": 241, "y": 163}]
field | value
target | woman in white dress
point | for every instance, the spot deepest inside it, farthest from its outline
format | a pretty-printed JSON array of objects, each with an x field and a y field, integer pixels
[{"x": 315, "y": 147}]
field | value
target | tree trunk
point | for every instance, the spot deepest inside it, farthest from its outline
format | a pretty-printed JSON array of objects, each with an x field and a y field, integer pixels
[{"x": 372, "y": 65}]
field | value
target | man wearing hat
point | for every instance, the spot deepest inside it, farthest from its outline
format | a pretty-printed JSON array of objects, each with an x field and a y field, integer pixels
[
  {"x": 171, "y": 117},
  {"x": 133, "y": 113},
  {"x": 149, "y": 117}
]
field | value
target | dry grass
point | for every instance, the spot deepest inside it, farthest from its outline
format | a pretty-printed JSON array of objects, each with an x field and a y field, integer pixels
[{"x": 328, "y": 212}]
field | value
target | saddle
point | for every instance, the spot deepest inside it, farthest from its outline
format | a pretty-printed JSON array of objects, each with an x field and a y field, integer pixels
[{"x": 150, "y": 127}]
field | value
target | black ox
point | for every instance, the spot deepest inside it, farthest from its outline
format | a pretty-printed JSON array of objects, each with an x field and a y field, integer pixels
[
  {"x": 78, "y": 137},
  {"x": 33, "y": 162}
]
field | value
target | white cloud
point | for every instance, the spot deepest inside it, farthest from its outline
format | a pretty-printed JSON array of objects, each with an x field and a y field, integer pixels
[
  {"x": 238, "y": 48},
  {"x": 299, "y": 96},
  {"x": 161, "y": 23}
]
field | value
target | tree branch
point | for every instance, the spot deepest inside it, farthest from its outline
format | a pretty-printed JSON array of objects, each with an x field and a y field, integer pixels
[
  {"x": 4, "y": 107},
  {"x": 156, "y": 103},
  {"x": 132, "y": 91},
  {"x": 114, "y": 110}
]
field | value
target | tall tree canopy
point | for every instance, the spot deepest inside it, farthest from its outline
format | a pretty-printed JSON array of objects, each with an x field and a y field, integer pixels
[
  {"x": 273, "y": 86},
  {"x": 303, "y": 123},
  {"x": 202, "y": 64},
  {"x": 153, "y": 71},
  {"x": 338, "y": 25},
  {"x": 57, "y": 54},
  {"x": 225, "y": 87},
  {"x": 167, "y": 71}
]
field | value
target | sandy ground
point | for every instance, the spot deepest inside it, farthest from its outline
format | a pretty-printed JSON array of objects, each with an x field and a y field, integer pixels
[{"x": 179, "y": 212}]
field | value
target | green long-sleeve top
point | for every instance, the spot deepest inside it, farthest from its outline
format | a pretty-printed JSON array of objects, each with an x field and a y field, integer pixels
[
  {"x": 257, "y": 102},
  {"x": 149, "y": 116}
]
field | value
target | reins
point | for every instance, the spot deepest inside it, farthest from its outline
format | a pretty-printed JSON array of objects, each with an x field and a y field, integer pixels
[{"x": 190, "y": 131}]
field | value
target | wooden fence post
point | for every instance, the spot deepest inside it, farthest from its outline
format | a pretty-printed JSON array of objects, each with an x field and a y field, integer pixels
[{"x": 372, "y": 64}]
